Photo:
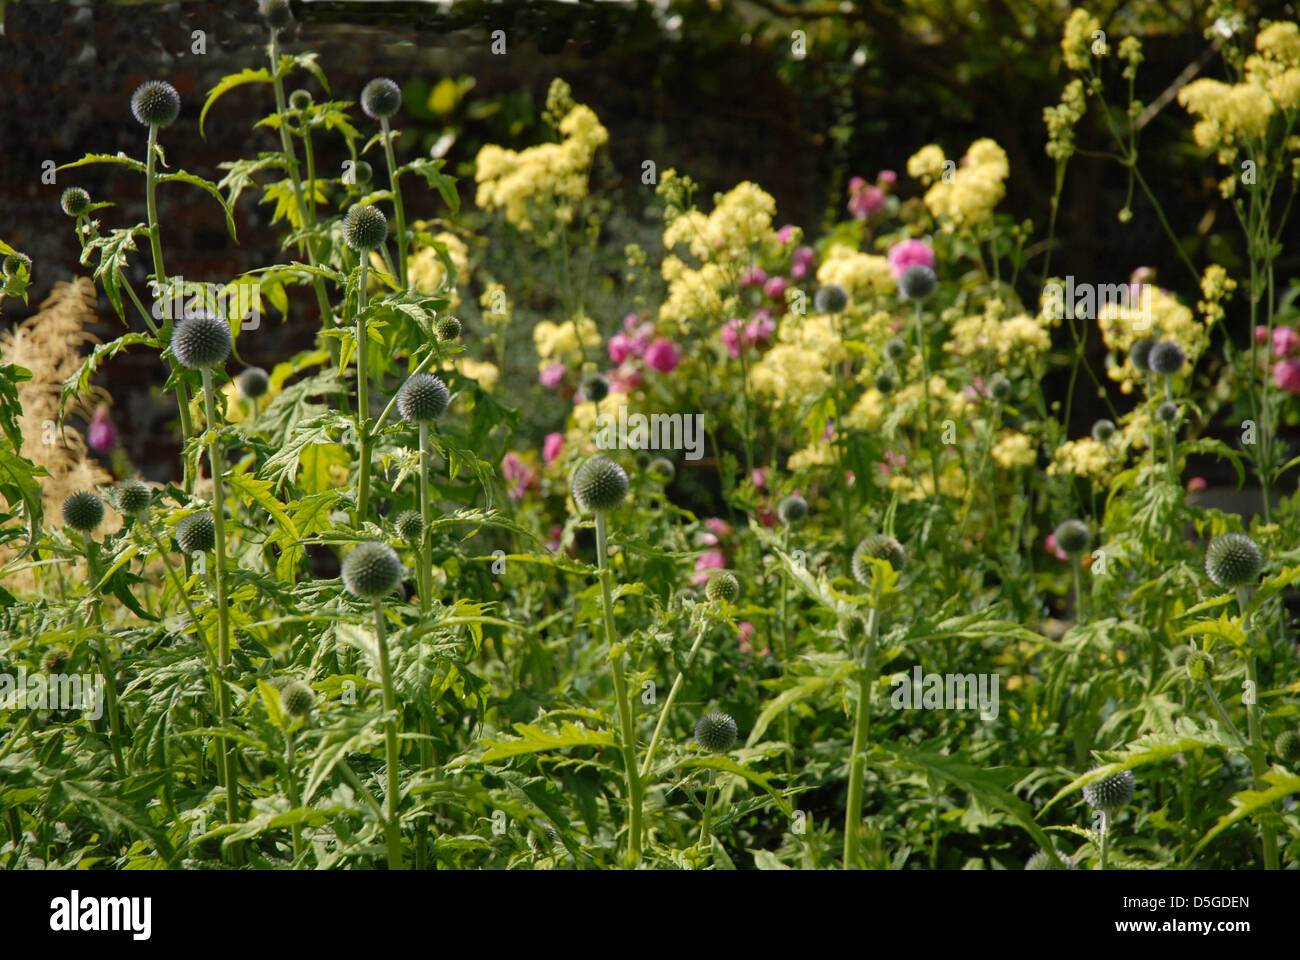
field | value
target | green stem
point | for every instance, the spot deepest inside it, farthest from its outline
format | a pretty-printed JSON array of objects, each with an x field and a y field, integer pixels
[
  {"x": 861, "y": 731},
  {"x": 925, "y": 385},
  {"x": 709, "y": 795},
  {"x": 668, "y": 704},
  {"x": 90, "y": 550},
  {"x": 426, "y": 570},
  {"x": 628, "y": 736},
  {"x": 1105, "y": 839},
  {"x": 392, "y": 827},
  {"x": 398, "y": 212},
  {"x": 291, "y": 786},
  {"x": 363, "y": 399}
]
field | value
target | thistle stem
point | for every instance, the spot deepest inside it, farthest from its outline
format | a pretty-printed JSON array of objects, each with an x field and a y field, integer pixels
[
  {"x": 363, "y": 399},
  {"x": 709, "y": 794},
  {"x": 426, "y": 572},
  {"x": 291, "y": 787},
  {"x": 668, "y": 703},
  {"x": 105, "y": 659},
  {"x": 628, "y": 736},
  {"x": 1104, "y": 829},
  {"x": 925, "y": 386},
  {"x": 861, "y": 731},
  {"x": 1268, "y": 833},
  {"x": 398, "y": 212},
  {"x": 392, "y": 828}
]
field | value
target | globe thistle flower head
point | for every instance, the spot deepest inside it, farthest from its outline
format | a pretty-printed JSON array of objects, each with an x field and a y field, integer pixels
[
  {"x": 409, "y": 526},
  {"x": 594, "y": 387},
  {"x": 716, "y": 732},
  {"x": 1167, "y": 412},
  {"x": 202, "y": 342},
  {"x": 300, "y": 100},
  {"x": 1233, "y": 560},
  {"x": 1287, "y": 746},
  {"x": 885, "y": 381},
  {"x": 999, "y": 387},
  {"x": 75, "y": 201},
  {"x": 13, "y": 262},
  {"x": 1074, "y": 537},
  {"x": 132, "y": 497},
  {"x": 155, "y": 103},
  {"x": 642, "y": 460},
  {"x": 448, "y": 329},
  {"x": 381, "y": 98},
  {"x": 917, "y": 282},
  {"x": 254, "y": 383},
  {"x": 196, "y": 533},
  {"x": 599, "y": 485},
  {"x": 55, "y": 659},
  {"x": 723, "y": 587},
  {"x": 372, "y": 570},
  {"x": 792, "y": 509},
  {"x": 1140, "y": 354},
  {"x": 1179, "y": 654},
  {"x": 364, "y": 227},
  {"x": 1103, "y": 430},
  {"x": 1166, "y": 358},
  {"x": 363, "y": 172},
  {"x": 879, "y": 547},
  {"x": 895, "y": 349},
  {"x": 276, "y": 13},
  {"x": 83, "y": 511},
  {"x": 297, "y": 699},
  {"x": 423, "y": 398},
  {"x": 663, "y": 468},
  {"x": 830, "y": 299},
  {"x": 1200, "y": 665},
  {"x": 1110, "y": 794}
]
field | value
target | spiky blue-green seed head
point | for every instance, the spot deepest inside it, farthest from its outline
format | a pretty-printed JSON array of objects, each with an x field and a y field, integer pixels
[
  {"x": 792, "y": 509},
  {"x": 885, "y": 381},
  {"x": 254, "y": 383},
  {"x": 55, "y": 659},
  {"x": 1110, "y": 794},
  {"x": 197, "y": 533},
  {"x": 276, "y": 13},
  {"x": 723, "y": 587},
  {"x": 448, "y": 329},
  {"x": 14, "y": 262},
  {"x": 999, "y": 387},
  {"x": 363, "y": 172},
  {"x": 1140, "y": 353},
  {"x": 1167, "y": 412},
  {"x": 1103, "y": 430},
  {"x": 381, "y": 98},
  {"x": 132, "y": 497},
  {"x": 1233, "y": 560},
  {"x": 1200, "y": 665},
  {"x": 75, "y": 201},
  {"x": 1287, "y": 746},
  {"x": 917, "y": 282},
  {"x": 297, "y": 699},
  {"x": 202, "y": 342},
  {"x": 423, "y": 398},
  {"x": 599, "y": 485},
  {"x": 594, "y": 387},
  {"x": 300, "y": 100},
  {"x": 372, "y": 570},
  {"x": 409, "y": 526},
  {"x": 1042, "y": 860},
  {"x": 830, "y": 299},
  {"x": 880, "y": 547},
  {"x": 1166, "y": 358},
  {"x": 716, "y": 732},
  {"x": 364, "y": 227},
  {"x": 155, "y": 103},
  {"x": 895, "y": 349},
  {"x": 663, "y": 468},
  {"x": 1074, "y": 537},
  {"x": 83, "y": 511}
]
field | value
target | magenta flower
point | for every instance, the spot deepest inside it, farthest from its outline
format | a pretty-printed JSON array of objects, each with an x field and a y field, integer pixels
[
  {"x": 620, "y": 347},
  {"x": 1286, "y": 374},
  {"x": 1261, "y": 333},
  {"x": 103, "y": 434},
  {"x": 663, "y": 355},
  {"x": 866, "y": 200},
  {"x": 760, "y": 328},
  {"x": 753, "y": 277},
  {"x": 551, "y": 375},
  {"x": 1196, "y": 485},
  {"x": 552, "y": 446},
  {"x": 1285, "y": 342},
  {"x": 517, "y": 475},
  {"x": 730, "y": 336},
  {"x": 802, "y": 262},
  {"x": 759, "y": 478},
  {"x": 554, "y": 539},
  {"x": 774, "y": 288},
  {"x": 1056, "y": 551},
  {"x": 720, "y": 526},
  {"x": 786, "y": 233},
  {"x": 713, "y": 560},
  {"x": 886, "y": 178},
  {"x": 910, "y": 253},
  {"x": 624, "y": 379}
]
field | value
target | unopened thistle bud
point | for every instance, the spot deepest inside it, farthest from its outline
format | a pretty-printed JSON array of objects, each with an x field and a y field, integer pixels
[
  {"x": 723, "y": 587},
  {"x": 1074, "y": 537},
  {"x": 830, "y": 299},
  {"x": 448, "y": 329},
  {"x": 372, "y": 570},
  {"x": 202, "y": 342},
  {"x": 155, "y": 103},
  {"x": 895, "y": 349},
  {"x": 1233, "y": 560},
  {"x": 879, "y": 547},
  {"x": 792, "y": 509},
  {"x": 410, "y": 526},
  {"x": 364, "y": 227},
  {"x": 599, "y": 485},
  {"x": 1103, "y": 430},
  {"x": 917, "y": 282},
  {"x": 594, "y": 387},
  {"x": 716, "y": 732},
  {"x": 381, "y": 98},
  {"x": 1166, "y": 358},
  {"x": 83, "y": 511},
  {"x": 132, "y": 497},
  {"x": 254, "y": 383},
  {"x": 297, "y": 699},
  {"x": 276, "y": 13},
  {"x": 196, "y": 533},
  {"x": 1287, "y": 746},
  {"x": 75, "y": 201},
  {"x": 1110, "y": 794},
  {"x": 423, "y": 398}
]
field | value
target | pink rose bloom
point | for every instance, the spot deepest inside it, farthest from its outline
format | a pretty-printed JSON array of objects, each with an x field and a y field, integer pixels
[
  {"x": 753, "y": 277},
  {"x": 663, "y": 355},
  {"x": 517, "y": 475},
  {"x": 1285, "y": 342},
  {"x": 1050, "y": 543},
  {"x": 802, "y": 262},
  {"x": 709, "y": 539},
  {"x": 552, "y": 446},
  {"x": 1261, "y": 333},
  {"x": 774, "y": 288},
  {"x": 625, "y": 379},
  {"x": 620, "y": 347},
  {"x": 713, "y": 560},
  {"x": 730, "y": 336},
  {"x": 786, "y": 233},
  {"x": 1196, "y": 484},
  {"x": 910, "y": 253},
  {"x": 856, "y": 184},
  {"x": 720, "y": 526},
  {"x": 759, "y": 478},
  {"x": 552, "y": 375},
  {"x": 760, "y": 328},
  {"x": 887, "y": 178},
  {"x": 865, "y": 202},
  {"x": 103, "y": 434},
  {"x": 1286, "y": 374}
]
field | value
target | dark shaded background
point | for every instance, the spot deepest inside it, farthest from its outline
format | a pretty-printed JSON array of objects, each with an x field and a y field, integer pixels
[{"x": 708, "y": 88}]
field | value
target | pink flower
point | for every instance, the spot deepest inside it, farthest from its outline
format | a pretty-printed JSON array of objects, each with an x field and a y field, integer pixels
[
  {"x": 802, "y": 262},
  {"x": 1286, "y": 374},
  {"x": 552, "y": 375},
  {"x": 620, "y": 347},
  {"x": 103, "y": 434},
  {"x": 1285, "y": 341},
  {"x": 747, "y": 631},
  {"x": 893, "y": 461},
  {"x": 786, "y": 233},
  {"x": 760, "y": 327},
  {"x": 753, "y": 277},
  {"x": 663, "y": 355},
  {"x": 759, "y": 478},
  {"x": 1143, "y": 275},
  {"x": 910, "y": 253},
  {"x": 552, "y": 446},
  {"x": 856, "y": 184},
  {"x": 774, "y": 288},
  {"x": 886, "y": 178},
  {"x": 866, "y": 201},
  {"x": 1196, "y": 484},
  {"x": 713, "y": 560},
  {"x": 553, "y": 539},
  {"x": 1050, "y": 543},
  {"x": 709, "y": 539},
  {"x": 517, "y": 475},
  {"x": 828, "y": 431},
  {"x": 624, "y": 379},
  {"x": 1261, "y": 333},
  {"x": 720, "y": 526}
]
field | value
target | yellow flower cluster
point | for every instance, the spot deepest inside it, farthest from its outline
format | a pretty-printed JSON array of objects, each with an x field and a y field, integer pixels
[
  {"x": 565, "y": 341},
  {"x": 815, "y": 333},
  {"x": 1019, "y": 338},
  {"x": 741, "y": 219},
  {"x": 1076, "y": 43},
  {"x": 869, "y": 411},
  {"x": 792, "y": 375},
  {"x": 965, "y": 198},
  {"x": 1216, "y": 285},
  {"x": 1155, "y": 315},
  {"x": 486, "y": 374},
  {"x": 1014, "y": 449},
  {"x": 584, "y": 414},
  {"x": 546, "y": 173},
  {"x": 1062, "y": 119},
  {"x": 952, "y": 483},
  {"x": 693, "y": 295},
  {"x": 1085, "y": 457},
  {"x": 426, "y": 269},
  {"x": 862, "y": 275},
  {"x": 818, "y": 454}
]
